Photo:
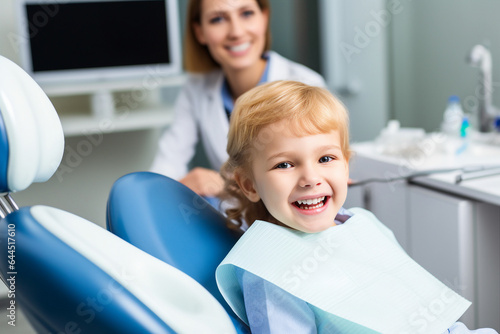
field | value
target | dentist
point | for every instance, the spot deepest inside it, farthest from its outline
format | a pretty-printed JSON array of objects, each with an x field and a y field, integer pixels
[{"x": 226, "y": 53}]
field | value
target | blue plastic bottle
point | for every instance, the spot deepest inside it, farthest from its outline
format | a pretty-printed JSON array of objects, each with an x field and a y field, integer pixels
[{"x": 464, "y": 135}]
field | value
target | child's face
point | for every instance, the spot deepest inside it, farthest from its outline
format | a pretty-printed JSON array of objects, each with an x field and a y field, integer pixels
[{"x": 301, "y": 180}]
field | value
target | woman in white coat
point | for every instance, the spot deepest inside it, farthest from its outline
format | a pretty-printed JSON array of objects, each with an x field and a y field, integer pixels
[{"x": 226, "y": 53}]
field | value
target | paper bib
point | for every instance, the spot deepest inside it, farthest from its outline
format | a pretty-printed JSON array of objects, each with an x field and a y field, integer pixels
[{"x": 354, "y": 274}]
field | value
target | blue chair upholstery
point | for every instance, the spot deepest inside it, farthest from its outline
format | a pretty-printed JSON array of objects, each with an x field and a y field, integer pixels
[
  {"x": 4, "y": 156},
  {"x": 169, "y": 221},
  {"x": 57, "y": 292},
  {"x": 69, "y": 274}
]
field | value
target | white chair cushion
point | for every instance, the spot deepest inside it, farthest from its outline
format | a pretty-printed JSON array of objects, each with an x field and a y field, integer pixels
[
  {"x": 175, "y": 297},
  {"x": 34, "y": 132}
]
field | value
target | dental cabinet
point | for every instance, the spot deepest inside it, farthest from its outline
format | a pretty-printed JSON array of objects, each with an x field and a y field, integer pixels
[{"x": 452, "y": 230}]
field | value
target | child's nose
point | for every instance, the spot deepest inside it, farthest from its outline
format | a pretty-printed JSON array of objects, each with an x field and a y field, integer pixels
[
  {"x": 310, "y": 184},
  {"x": 309, "y": 179}
]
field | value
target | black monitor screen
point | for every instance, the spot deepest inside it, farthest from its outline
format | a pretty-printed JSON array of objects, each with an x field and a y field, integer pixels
[{"x": 82, "y": 35}]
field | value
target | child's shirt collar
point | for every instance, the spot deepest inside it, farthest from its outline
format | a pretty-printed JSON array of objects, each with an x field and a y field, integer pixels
[{"x": 342, "y": 216}]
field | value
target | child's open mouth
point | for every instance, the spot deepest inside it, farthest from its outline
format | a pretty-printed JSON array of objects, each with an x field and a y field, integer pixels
[{"x": 311, "y": 204}]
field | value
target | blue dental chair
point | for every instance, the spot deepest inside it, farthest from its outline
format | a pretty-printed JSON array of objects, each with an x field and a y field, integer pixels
[
  {"x": 68, "y": 274},
  {"x": 169, "y": 221}
]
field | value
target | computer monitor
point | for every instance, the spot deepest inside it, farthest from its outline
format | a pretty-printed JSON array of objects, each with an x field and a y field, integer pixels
[{"x": 70, "y": 41}]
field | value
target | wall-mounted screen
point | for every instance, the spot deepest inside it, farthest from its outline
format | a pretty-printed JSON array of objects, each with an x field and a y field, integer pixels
[{"x": 92, "y": 40}]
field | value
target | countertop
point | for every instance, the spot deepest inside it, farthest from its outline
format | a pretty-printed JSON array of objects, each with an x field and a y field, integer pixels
[{"x": 438, "y": 153}]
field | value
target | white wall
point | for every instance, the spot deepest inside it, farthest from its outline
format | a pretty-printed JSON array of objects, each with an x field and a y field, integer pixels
[
  {"x": 84, "y": 188},
  {"x": 355, "y": 60},
  {"x": 429, "y": 44},
  {"x": 8, "y": 30},
  {"x": 408, "y": 65}
]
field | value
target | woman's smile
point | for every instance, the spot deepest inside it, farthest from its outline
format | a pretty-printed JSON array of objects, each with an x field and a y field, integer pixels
[{"x": 237, "y": 49}]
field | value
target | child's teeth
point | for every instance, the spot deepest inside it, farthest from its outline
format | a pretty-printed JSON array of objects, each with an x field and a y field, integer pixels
[{"x": 311, "y": 201}]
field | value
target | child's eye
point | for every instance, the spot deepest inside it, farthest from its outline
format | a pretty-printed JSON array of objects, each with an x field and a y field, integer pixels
[
  {"x": 283, "y": 165},
  {"x": 325, "y": 159}
]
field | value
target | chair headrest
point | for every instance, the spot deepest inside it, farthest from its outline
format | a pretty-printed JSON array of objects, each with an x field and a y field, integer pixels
[{"x": 31, "y": 135}]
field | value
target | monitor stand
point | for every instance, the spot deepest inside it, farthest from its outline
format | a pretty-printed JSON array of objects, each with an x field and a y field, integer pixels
[{"x": 103, "y": 104}]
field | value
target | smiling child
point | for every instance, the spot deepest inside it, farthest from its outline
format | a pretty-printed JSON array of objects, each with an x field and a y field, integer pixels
[{"x": 306, "y": 264}]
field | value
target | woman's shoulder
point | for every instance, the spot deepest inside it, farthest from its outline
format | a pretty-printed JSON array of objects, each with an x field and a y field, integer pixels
[
  {"x": 285, "y": 69},
  {"x": 203, "y": 81}
]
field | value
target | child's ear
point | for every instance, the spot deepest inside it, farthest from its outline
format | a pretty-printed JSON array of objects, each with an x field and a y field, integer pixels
[{"x": 247, "y": 186}]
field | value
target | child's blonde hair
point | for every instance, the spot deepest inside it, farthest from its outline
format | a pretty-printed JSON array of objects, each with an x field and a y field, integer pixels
[{"x": 306, "y": 110}]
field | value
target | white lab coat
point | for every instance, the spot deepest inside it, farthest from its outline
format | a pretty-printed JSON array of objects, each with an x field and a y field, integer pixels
[{"x": 200, "y": 114}]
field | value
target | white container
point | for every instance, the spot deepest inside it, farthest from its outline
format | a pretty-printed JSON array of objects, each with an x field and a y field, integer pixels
[
  {"x": 398, "y": 141},
  {"x": 452, "y": 118}
]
